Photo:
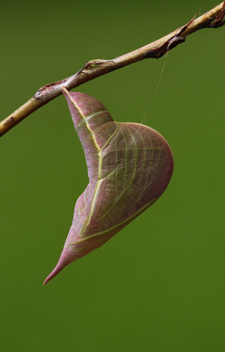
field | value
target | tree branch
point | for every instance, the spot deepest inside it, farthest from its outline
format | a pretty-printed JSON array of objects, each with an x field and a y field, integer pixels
[{"x": 95, "y": 68}]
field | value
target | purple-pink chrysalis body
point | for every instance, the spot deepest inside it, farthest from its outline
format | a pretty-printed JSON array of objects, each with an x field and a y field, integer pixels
[{"x": 129, "y": 167}]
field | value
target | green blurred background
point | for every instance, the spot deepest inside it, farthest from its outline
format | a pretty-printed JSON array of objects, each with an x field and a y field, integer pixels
[{"x": 158, "y": 285}]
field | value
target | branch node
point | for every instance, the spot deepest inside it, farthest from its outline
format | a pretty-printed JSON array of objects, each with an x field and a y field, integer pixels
[
  {"x": 219, "y": 21},
  {"x": 171, "y": 43}
]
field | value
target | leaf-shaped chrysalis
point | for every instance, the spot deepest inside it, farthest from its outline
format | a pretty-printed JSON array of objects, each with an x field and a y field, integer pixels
[{"x": 129, "y": 167}]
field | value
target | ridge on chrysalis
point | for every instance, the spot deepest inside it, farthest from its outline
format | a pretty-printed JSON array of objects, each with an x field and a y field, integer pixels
[{"x": 129, "y": 167}]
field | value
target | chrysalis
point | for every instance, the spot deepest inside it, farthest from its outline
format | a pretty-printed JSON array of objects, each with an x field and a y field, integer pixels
[{"x": 129, "y": 167}]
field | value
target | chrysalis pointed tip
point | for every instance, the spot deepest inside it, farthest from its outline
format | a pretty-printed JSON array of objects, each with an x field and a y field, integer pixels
[
  {"x": 64, "y": 260},
  {"x": 57, "y": 269}
]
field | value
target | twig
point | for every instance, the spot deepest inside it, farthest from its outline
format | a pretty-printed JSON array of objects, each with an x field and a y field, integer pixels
[{"x": 95, "y": 68}]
